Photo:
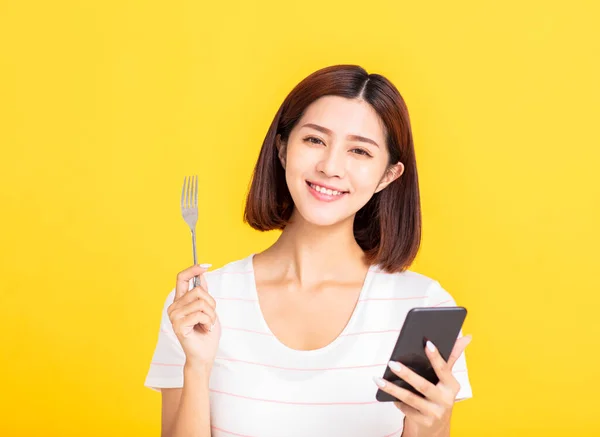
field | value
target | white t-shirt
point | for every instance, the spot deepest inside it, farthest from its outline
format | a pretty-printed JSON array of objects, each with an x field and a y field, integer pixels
[{"x": 261, "y": 388}]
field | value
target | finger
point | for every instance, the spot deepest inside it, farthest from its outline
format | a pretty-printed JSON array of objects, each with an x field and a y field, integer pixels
[
  {"x": 193, "y": 295},
  {"x": 414, "y": 415},
  {"x": 185, "y": 325},
  {"x": 422, "y": 385},
  {"x": 195, "y": 306},
  {"x": 441, "y": 368},
  {"x": 194, "y": 300},
  {"x": 183, "y": 278},
  {"x": 423, "y": 405},
  {"x": 197, "y": 293},
  {"x": 458, "y": 349}
]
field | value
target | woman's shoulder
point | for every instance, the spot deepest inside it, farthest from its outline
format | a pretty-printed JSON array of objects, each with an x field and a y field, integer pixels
[
  {"x": 234, "y": 275},
  {"x": 410, "y": 283},
  {"x": 238, "y": 266}
]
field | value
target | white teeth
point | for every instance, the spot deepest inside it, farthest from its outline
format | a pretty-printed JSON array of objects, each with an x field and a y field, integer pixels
[{"x": 326, "y": 190}]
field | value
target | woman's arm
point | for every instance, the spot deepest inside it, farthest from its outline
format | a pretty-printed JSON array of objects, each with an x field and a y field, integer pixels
[
  {"x": 186, "y": 411},
  {"x": 411, "y": 429},
  {"x": 192, "y": 316}
]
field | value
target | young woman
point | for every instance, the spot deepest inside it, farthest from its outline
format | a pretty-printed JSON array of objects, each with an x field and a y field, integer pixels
[{"x": 293, "y": 341}]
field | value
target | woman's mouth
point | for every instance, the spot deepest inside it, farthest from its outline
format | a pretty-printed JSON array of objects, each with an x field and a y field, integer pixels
[{"x": 325, "y": 194}]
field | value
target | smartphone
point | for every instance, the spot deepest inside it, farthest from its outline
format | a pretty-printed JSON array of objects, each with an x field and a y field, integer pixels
[{"x": 441, "y": 326}]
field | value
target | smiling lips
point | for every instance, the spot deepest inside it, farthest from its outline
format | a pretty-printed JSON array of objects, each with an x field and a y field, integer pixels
[{"x": 324, "y": 194}]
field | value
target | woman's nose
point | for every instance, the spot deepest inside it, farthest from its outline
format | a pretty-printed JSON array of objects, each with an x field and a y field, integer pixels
[{"x": 332, "y": 163}]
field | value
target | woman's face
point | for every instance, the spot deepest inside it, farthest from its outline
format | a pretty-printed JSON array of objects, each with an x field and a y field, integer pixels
[{"x": 335, "y": 159}]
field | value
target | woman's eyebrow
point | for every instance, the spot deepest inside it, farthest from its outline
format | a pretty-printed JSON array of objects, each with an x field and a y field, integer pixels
[{"x": 330, "y": 132}]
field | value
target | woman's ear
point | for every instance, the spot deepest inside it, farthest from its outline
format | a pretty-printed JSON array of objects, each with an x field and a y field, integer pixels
[
  {"x": 390, "y": 175},
  {"x": 281, "y": 150}
]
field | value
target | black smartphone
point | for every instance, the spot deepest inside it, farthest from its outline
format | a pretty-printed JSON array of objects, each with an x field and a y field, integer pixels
[{"x": 441, "y": 326}]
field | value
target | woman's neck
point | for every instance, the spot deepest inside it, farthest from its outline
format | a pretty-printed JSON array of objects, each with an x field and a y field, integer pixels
[{"x": 309, "y": 254}]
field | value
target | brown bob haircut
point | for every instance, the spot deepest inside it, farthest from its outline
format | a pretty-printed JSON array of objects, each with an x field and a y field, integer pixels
[{"x": 388, "y": 227}]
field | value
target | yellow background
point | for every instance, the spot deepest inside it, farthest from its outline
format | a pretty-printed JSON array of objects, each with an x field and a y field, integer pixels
[{"x": 106, "y": 105}]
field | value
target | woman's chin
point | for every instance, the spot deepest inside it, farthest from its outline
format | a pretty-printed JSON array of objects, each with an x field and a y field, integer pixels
[{"x": 323, "y": 220}]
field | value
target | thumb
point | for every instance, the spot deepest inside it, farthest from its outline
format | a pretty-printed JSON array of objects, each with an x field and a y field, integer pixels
[{"x": 203, "y": 282}]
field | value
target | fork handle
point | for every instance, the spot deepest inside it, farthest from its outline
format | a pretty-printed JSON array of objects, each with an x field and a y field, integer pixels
[{"x": 196, "y": 280}]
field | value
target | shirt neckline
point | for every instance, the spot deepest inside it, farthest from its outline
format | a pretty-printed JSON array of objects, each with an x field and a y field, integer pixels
[{"x": 335, "y": 342}]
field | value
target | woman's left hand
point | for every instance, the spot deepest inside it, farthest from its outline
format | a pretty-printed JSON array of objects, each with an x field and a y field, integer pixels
[{"x": 430, "y": 415}]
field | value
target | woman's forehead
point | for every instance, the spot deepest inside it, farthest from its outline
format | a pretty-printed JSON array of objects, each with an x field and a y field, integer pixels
[{"x": 345, "y": 117}]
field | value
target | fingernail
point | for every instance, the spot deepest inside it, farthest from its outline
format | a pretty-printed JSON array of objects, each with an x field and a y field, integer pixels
[
  {"x": 379, "y": 381},
  {"x": 394, "y": 365},
  {"x": 430, "y": 346},
  {"x": 205, "y": 266}
]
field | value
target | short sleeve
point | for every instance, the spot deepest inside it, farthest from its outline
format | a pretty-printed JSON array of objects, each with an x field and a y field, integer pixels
[
  {"x": 438, "y": 297},
  {"x": 166, "y": 367}
]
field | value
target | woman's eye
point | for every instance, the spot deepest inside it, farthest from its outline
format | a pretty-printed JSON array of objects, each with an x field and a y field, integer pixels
[
  {"x": 361, "y": 152},
  {"x": 317, "y": 140}
]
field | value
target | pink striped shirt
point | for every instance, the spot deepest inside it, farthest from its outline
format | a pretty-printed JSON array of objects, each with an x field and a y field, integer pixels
[{"x": 261, "y": 388}]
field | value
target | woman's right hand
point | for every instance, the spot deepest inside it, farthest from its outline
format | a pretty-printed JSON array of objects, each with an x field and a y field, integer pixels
[{"x": 194, "y": 319}]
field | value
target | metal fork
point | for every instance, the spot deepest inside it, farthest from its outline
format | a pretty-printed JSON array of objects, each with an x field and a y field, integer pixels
[{"x": 189, "y": 211}]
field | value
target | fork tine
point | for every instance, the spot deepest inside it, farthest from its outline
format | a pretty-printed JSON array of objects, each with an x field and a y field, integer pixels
[
  {"x": 183, "y": 193},
  {"x": 196, "y": 194},
  {"x": 189, "y": 193},
  {"x": 191, "y": 199}
]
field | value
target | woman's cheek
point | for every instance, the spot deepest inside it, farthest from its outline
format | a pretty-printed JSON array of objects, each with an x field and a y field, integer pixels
[{"x": 365, "y": 178}]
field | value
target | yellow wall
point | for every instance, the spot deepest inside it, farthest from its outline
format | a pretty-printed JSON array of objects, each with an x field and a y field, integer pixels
[{"x": 106, "y": 105}]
